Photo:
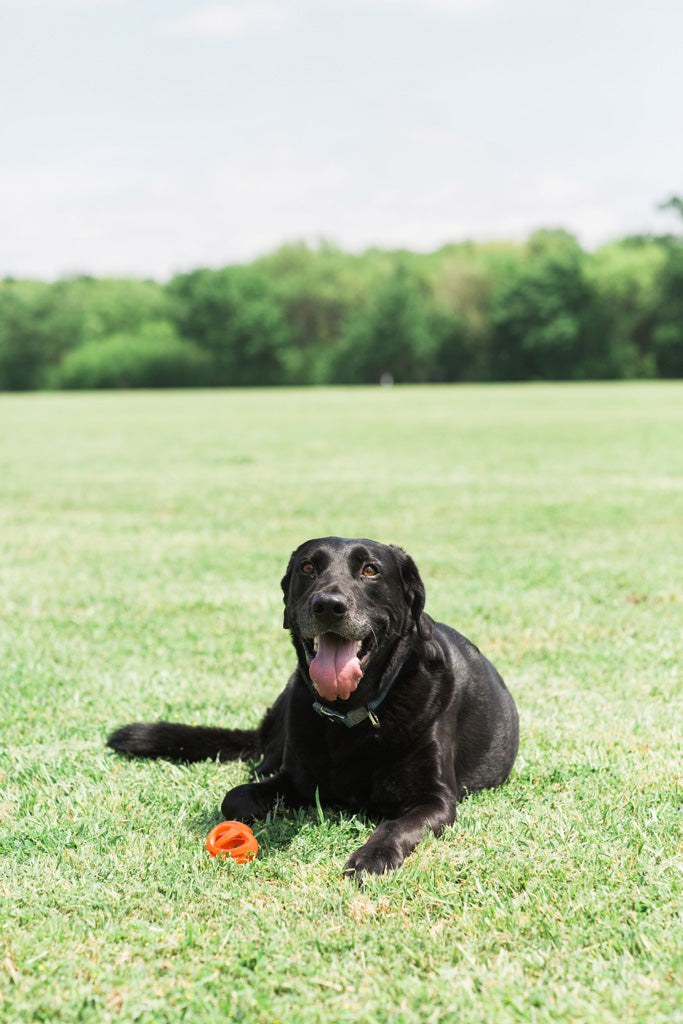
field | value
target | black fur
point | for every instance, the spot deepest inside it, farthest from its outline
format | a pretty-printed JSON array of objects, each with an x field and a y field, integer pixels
[{"x": 445, "y": 726}]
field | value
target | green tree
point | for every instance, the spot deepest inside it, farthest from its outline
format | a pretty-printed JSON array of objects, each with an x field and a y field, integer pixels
[
  {"x": 151, "y": 357},
  {"x": 394, "y": 335},
  {"x": 626, "y": 276},
  {"x": 673, "y": 203},
  {"x": 544, "y": 316},
  {"x": 233, "y": 315},
  {"x": 40, "y": 322},
  {"x": 464, "y": 279},
  {"x": 85, "y": 308},
  {"x": 24, "y": 342},
  {"x": 315, "y": 289},
  {"x": 668, "y": 331}
]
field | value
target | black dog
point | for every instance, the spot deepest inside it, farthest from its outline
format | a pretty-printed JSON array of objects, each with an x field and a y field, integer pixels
[{"x": 387, "y": 712}]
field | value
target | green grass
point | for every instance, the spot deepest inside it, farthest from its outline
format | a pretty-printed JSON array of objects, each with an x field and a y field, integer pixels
[{"x": 142, "y": 541}]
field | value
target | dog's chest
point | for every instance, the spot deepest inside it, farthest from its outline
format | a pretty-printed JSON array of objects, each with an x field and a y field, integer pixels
[{"x": 350, "y": 772}]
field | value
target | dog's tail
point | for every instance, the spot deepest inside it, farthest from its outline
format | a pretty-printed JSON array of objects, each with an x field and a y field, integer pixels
[{"x": 177, "y": 742}]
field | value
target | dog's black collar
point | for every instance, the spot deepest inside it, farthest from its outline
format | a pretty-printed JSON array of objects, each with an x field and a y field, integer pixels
[
  {"x": 358, "y": 715},
  {"x": 349, "y": 719}
]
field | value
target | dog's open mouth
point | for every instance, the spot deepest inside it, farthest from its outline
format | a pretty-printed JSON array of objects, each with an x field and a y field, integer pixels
[{"x": 336, "y": 663}]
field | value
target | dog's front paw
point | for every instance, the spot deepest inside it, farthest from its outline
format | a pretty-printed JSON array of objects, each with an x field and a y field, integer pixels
[
  {"x": 245, "y": 803},
  {"x": 373, "y": 859}
]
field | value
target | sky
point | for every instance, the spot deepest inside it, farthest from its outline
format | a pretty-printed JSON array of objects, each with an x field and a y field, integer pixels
[{"x": 151, "y": 137}]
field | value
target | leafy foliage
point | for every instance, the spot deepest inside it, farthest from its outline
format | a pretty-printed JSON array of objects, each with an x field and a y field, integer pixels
[
  {"x": 545, "y": 310},
  {"x": 392, "y": 337},
  {"x": 153, "y": 357},
  {"x": 40, "y": 323},
  {"x": 232, "y": 315},
  {"x": 668, "y": 333},
  {"x": 627, "y": 280},
  {"x": 543, "y": 321}
]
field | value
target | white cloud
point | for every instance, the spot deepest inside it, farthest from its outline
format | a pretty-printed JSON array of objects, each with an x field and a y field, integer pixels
[
  {"x": 72, "y": 5},
  {"x": 448, "y": 7},
  {"x": 441, "y": 139},
  {"x": 444, "y": 6},
  {"x": 549, "y": 201},
  {"x": 84, "y": 221},
  {"x": 235, "y": 18},
  {"x": 512, "y": 208},
  {"x": 226, "y": 20},
  {"x": 108, "y": 223}
]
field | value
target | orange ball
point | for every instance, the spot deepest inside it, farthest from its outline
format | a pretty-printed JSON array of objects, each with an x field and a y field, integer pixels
[{"x": 232, "y": 839}]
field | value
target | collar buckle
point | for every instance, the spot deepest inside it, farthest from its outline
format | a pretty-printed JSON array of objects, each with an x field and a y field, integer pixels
[
  {"x": 349, "y": 719},
  {"x": 358, "y": 715}
]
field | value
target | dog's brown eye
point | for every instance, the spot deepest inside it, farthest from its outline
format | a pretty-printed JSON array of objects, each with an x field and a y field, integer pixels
[
  {"x": 370, "y": 570},
  {"x": 307, "y": 568}
]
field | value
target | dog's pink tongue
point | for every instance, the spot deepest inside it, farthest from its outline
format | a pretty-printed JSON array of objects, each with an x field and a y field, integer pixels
[{"x": 335, "y": 670}]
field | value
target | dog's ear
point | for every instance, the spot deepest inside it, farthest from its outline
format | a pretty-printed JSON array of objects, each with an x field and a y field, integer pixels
[
  {"x": 284, "y": 583},
  {"x": 413, "y": 591}
]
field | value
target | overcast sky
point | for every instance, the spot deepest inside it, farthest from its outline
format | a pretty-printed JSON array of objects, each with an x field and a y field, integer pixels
[{"x": 151, "y": 136}]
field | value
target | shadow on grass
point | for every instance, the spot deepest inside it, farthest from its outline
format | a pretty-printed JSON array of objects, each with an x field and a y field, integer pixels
[{"x": 285, "y": 828}]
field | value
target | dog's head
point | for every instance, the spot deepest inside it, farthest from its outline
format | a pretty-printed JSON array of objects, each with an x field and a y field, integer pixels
[{"x": 345, "y": 601}]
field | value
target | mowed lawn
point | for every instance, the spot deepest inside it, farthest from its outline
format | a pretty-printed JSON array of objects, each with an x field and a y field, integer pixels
[{"x": 143, "y": 537}]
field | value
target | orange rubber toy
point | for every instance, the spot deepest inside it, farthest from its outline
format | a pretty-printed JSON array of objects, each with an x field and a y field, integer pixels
[{"x": 233, "y": 839}]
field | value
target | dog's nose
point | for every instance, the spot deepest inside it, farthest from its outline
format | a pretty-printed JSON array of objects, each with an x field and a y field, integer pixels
[{"x": 330, "y": 604}]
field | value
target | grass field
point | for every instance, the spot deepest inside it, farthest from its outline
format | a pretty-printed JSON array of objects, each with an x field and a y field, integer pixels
[{"x": 143, "y": 537}]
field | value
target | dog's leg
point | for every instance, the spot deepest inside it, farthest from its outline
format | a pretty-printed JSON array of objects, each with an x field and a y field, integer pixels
[
  {"x": 393, "y": 840},
  {"x": 254, "y": 799}
]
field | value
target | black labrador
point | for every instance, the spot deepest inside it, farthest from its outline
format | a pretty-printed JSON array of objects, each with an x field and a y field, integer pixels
[{"x": 387, "y": 711}]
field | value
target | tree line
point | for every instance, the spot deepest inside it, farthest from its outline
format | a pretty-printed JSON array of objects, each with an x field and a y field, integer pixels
[{"x": 545, "y": 309}]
